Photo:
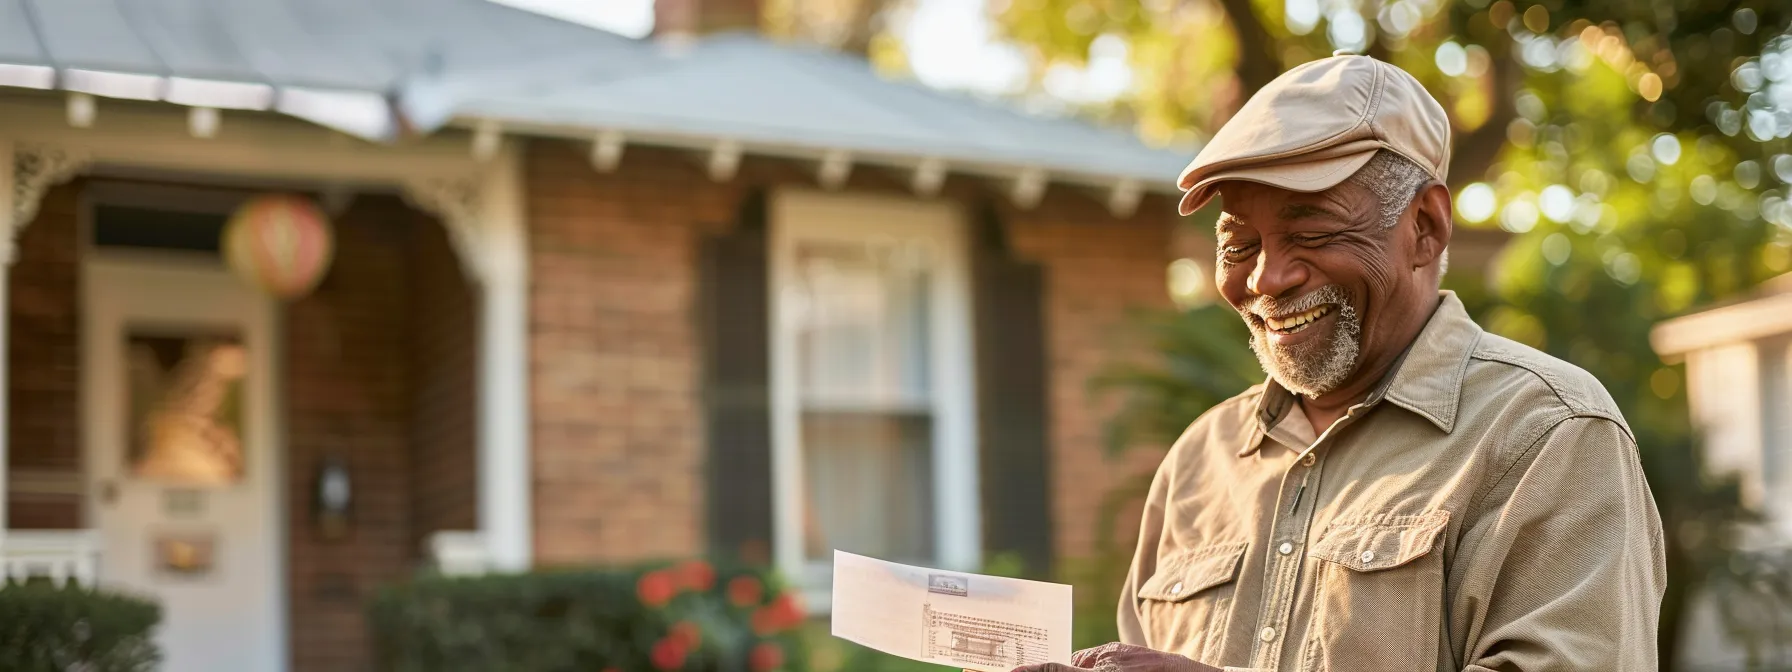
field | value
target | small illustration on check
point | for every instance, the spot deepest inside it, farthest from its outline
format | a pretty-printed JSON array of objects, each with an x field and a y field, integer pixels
[
  {"x": 975, "y": 622},
  {"x": 948, "y": 584}
]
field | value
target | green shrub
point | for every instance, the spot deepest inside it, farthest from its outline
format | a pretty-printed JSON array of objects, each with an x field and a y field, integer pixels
[
  {"x": 49, "y": 628},
  {"x": 690, "y": 617}
]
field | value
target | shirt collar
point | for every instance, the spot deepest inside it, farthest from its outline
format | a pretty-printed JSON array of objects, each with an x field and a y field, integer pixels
[{"x": 1427, "y": 379}]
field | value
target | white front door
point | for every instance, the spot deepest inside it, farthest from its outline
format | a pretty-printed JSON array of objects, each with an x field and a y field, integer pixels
[{"x": 181, "y": 452}]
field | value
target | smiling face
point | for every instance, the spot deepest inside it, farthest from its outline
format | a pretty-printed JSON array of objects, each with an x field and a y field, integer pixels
[{"x": 1328, "y": 290}]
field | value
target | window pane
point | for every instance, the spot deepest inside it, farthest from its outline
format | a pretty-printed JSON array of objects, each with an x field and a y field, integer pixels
[
  {"x": 870, "y": 484},
  {"x": 862, "y": 324},
  {"x": 863, "y": 356}
]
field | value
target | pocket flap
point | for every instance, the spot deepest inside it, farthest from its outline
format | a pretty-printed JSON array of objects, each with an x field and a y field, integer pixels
[
  {"x": 1180, "y": 576},
  {"x": 1382, "y": 542}
]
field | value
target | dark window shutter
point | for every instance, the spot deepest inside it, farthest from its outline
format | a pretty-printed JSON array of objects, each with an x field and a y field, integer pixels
[
  {"x": 1011, "y": 401},
  {"x": 735, "y": 324}
]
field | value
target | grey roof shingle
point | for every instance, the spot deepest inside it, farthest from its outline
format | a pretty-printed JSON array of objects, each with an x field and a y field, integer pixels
[
  {"x": 371, "y": 47},
  {"x": 746, "y": 88},
  {"x": 436, "y": 61}
]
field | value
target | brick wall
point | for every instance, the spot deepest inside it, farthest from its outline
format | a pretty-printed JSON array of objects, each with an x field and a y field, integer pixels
[
  {"x": 616, "y": 400},
  {"x": 347, "y": 396},
  {"x": 443, "y": 365},
  {"x": 380, "y": 363},
  {"x": 379, "y": 369},
  {"x": 1096, "y": 271},
  {"x": 614, "y": 382},
  {"x": 43, "y": 375}
]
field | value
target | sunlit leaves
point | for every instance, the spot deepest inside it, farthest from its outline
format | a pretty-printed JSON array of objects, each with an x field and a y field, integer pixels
[{"x": 1639, "y": 152}]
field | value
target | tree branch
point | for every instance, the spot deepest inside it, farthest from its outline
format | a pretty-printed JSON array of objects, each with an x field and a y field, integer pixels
[
  {"x": 1479, "y": 149},
  {"x": 866, "y": 23},
  {"x": 1258, "y": 60}
]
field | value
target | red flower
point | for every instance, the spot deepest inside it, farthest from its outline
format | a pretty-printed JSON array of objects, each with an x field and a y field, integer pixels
[
  {"x": 745, "y": 591},
  {"x": 766, "y": 657},
  {"x": 668, "y": 653},
  {"x": 656, "y": 588},
  {"x": 687, "y": 633},
  {"x": 783, "y": 613},
  {"x": 765, "y": 622},
  {"x": 697, "y": 575},
  {"x": 789, "y": 612}
]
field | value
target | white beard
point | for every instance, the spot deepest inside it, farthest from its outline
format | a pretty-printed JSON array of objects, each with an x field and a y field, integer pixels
[{"x": 1318, "y": 366}]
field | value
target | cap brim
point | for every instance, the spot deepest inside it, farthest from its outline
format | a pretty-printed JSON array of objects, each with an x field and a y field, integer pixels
[{"x": 1304, "y": 173}]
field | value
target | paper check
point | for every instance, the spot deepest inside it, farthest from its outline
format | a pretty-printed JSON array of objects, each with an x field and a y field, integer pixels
[{"x": 970, "y": 621}]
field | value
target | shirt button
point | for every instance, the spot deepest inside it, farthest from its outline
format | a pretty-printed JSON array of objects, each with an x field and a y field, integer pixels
[
  {"x": 1267, "y": 634},
  {"x": 1309, "y": 459},
  {"x": 1368, "y": 557},
  {"x": 1176, "y": 589},
  {"x": 1285, "y": 548}
]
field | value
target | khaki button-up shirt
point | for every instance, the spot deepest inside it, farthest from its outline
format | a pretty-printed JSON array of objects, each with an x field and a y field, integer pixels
[{"x": 1484, "y": 509}]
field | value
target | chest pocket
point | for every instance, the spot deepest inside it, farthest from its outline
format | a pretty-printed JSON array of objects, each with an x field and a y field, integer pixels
[
  {"x": 1185, "y": 604},
  {"x": 1379, "y": 594}
]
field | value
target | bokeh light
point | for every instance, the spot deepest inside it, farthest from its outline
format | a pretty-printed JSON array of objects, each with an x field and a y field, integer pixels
[
  {"x": 1556, "y": 249},
  {"x": 1703, "y": 189},
  {"x": 1640, "y": 166},
  {"x": 1625, "y": 267},
  {"x": 1519, "y": 216},
  {"x": 1301, "y": 16},
  {"x": 1557, "y": 202},
  {"x": 1188, "y": 282},
  {"x": 1649, "y": 87},
  {"x": 1347, "y": 30},
  {"x": 1452, "y": 59},
  {"x": 1477, "y": 202},
  {"x": 1666, "y": 149},
  {"x": 1748, "y": 174}
]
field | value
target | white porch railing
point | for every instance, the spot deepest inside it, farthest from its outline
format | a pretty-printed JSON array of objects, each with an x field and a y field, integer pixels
[
  {"x": 459, "y": 553},
  {"x": 58, "y": 555}
]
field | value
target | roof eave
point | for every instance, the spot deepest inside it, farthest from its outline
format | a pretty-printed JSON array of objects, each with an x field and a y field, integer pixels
[
  {"x": 961, "y": 165},
  {"x": 1737, "y": 323}
]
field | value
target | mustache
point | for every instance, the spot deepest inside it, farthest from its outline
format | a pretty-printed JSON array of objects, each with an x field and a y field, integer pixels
[{"x": 1269, "y": 306}]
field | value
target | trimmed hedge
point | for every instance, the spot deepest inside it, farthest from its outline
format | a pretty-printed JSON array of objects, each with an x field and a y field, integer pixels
[
  {"x": 689, "y": 617},
  {"x": 49, "y": 628}
]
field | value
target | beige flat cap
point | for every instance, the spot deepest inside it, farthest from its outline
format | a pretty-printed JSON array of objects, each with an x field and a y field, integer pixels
[{"x": 1315, "y": 125}]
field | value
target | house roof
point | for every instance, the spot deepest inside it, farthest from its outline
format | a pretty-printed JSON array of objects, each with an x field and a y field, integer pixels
[
  {"x": 335, "y": 62},
  {"x": 373, "y": 67},
  {"x": 745, "y": 88}
]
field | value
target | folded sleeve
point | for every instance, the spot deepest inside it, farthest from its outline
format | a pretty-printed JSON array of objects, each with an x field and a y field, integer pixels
[{"x": 1563, "y": 567}]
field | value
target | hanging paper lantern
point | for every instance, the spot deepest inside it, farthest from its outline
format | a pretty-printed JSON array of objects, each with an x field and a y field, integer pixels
[{"x": 279, "y": 243}]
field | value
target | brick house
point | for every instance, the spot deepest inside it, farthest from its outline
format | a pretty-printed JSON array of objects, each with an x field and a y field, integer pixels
[{"x": 593, "y": 300}]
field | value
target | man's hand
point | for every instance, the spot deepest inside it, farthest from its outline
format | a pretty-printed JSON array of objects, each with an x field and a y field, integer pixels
[{"x": 1118, "y": 657}]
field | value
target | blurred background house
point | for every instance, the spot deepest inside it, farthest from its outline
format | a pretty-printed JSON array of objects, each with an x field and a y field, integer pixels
[
  {"x": 592, "y": 299},
  {"x": 744, "y": 282},
  {"x": 1740, "y": 392}
]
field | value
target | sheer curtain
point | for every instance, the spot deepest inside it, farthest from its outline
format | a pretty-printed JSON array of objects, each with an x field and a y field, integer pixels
[{"x": 864, "y": 386}]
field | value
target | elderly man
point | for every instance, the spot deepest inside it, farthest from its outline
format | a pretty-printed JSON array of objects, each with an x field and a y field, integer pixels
[{"x": 1406, "y": 491}]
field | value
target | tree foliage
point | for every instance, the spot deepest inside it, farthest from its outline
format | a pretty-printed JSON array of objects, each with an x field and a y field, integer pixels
[{"x": 1637, "y": 150}]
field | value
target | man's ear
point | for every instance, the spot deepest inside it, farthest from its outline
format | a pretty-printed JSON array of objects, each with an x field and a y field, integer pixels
[{"x": 1432, "y": 225}]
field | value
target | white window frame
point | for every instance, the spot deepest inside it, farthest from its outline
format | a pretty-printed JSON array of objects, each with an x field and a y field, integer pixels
[{"x": 801, "y": 215}]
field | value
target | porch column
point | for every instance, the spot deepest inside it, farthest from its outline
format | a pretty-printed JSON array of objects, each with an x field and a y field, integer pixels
[
  {"x": 9, "y": 228},
  {"x": 484, "y": 215},
  {"x": 505, "y": 472}
]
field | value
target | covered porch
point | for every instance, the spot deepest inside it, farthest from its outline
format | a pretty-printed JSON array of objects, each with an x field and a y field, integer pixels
[{"x": 377, "y": 425}]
